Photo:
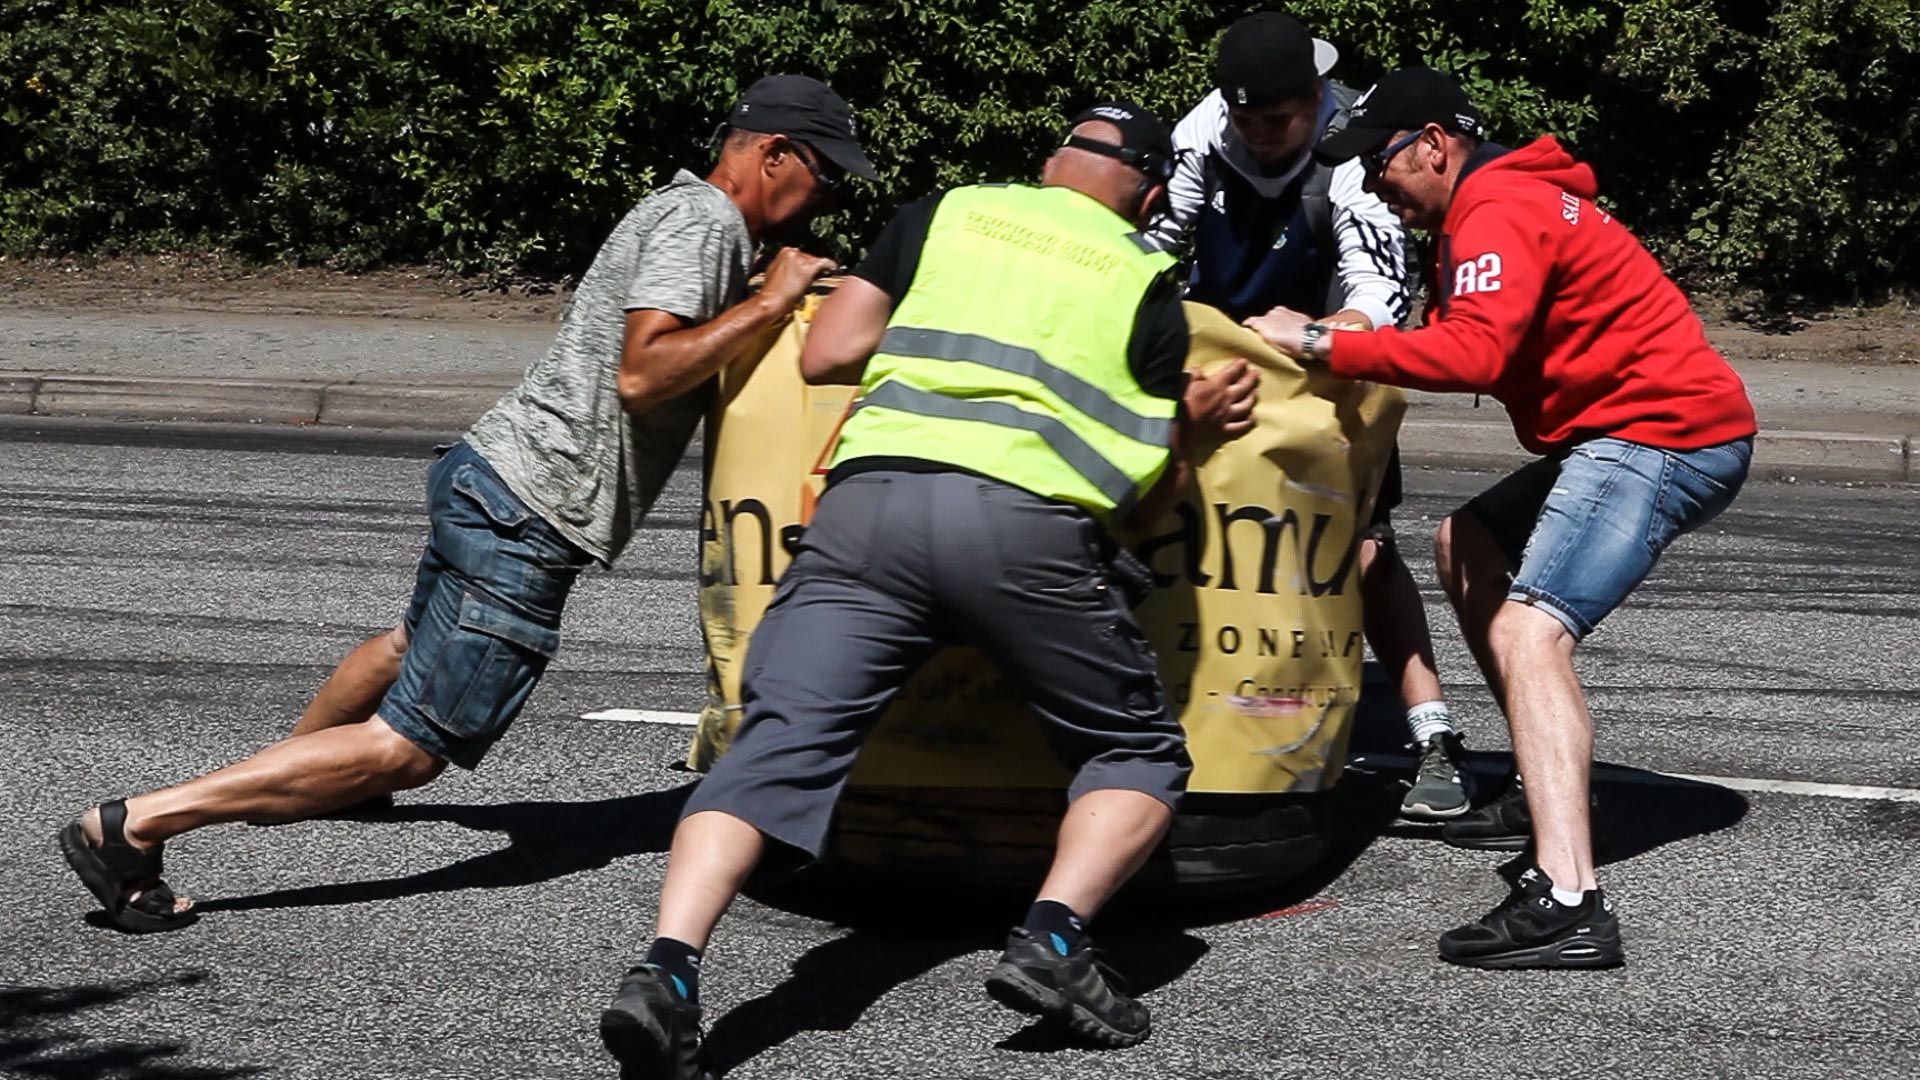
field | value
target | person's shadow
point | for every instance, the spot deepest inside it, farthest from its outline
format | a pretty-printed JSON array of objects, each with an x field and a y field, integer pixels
[
  {"x": 42, "y": 1033},
  {"x": 545, "y": 841},
  {"x": 1636, "y": 810},
  {"x": 889, "y": 943}
]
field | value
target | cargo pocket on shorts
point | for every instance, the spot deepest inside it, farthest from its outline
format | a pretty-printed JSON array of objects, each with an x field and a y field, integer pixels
[
  {"x": 485, "y": 669},
  {"x": 501, "y": 507},
  {"x": 1137, "y": 669}
]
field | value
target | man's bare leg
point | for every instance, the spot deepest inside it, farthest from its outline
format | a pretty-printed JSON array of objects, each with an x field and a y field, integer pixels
[
  {"x": 1046, "y": 970},
  {"x": 296, "y": 777},
  {"x": 1555, "y": 916},
  {"x": 712, "y": 855},
  {"x": 1395, "y": 618},
  {"x": 354, "y": 690},
  {"x": 1105, "y": 837},
  {"x": 1396, "y": 622},
  {"x": 1476, "y": 577},
  {"x": 1552, "y": 738}
]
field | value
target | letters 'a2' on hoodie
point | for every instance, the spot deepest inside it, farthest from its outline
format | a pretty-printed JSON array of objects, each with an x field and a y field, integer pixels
[{"x": 1549, "y": 305}]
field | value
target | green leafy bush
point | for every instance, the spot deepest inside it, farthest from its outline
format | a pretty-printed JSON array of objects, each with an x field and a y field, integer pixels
[{"x": 1758, "y": 143}]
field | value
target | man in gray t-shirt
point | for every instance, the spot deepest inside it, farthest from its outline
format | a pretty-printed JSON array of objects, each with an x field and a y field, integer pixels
[{"x": 556, "y": 476}]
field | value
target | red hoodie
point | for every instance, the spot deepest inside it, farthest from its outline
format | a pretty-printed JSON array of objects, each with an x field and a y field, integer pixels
[{"x": 1548, "y": 304}]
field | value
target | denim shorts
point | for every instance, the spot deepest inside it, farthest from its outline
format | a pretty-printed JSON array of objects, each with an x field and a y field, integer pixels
[
  {"x": 485, "y": 616},
  {"x": 1585, "y": 527}
]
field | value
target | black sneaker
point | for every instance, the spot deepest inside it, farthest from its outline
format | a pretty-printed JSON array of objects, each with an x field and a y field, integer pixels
[
  {"x": 651, "y": 1030},
  {"x": 1530, "y": 929},
  {"x": 1504, "y": 824},
  {"x": 1074, "y": 988}
]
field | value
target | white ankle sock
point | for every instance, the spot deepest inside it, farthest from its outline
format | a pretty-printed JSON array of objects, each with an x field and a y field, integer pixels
[
  {"x": 1427, "y": 719},
  {"x": 1568, "y": 897}
]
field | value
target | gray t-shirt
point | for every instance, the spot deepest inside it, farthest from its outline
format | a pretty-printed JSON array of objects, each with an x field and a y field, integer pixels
[{"x": 560, "y": 439}]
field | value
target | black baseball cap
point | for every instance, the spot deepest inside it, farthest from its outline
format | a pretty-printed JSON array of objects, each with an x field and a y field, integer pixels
[
  {"x": 804, "y": 110},
  {"x": 1401, "y": 101},
  {"x": 1145, "y": 142},
  {"x": 1269, "y": 57}
]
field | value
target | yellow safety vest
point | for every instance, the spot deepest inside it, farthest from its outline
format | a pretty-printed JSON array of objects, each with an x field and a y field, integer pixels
[{"x": 1008, "y": 355}]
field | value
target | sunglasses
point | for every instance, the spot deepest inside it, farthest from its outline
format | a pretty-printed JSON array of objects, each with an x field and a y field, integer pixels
[
  {"x": 1376, "y": 163},
  {"x": 830, "y": 182}
]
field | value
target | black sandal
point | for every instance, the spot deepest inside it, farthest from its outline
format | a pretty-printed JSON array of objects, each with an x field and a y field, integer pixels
[{"x": 115, "y": 870}]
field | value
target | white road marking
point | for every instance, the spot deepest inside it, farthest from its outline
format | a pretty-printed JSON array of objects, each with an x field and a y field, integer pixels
[
  {"x": 1803, "y": 787},
  {"x": 1734, "y": 783},
  {"x": 645, "y": 716}
]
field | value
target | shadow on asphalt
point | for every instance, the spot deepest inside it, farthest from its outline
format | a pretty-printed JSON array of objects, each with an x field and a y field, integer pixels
[
  {"x": 832, "y": 985},
  {"x": 1637, "y": 810},
  {"x": 43, "y": 1033},
  {"x": 545, "y": 840},
  {"x": 888, "y": 942}
]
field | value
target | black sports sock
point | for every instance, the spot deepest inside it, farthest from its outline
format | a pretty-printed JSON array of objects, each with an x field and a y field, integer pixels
[
  {"x": 1055, "y": 924},
  {"x": 681, "y": 964}
]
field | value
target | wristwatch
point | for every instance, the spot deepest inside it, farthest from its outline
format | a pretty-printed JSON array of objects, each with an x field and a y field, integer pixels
[{"x": 1310, "y": 336}]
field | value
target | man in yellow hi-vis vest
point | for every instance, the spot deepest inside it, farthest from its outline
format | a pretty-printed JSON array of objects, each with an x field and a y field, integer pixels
[{"x": 1020, "y": 354}]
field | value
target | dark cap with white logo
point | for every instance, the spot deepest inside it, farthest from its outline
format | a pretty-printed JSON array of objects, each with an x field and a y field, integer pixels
[
  {"x": 1267, "y": 58},
  {"x": 1145, "y": 142},
  {"x": 804, "y": 110},
  {"x": 1404, "y": 100}
]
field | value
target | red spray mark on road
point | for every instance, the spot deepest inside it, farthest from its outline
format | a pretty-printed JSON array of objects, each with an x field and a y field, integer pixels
[{"x": 1307, "y": 908}]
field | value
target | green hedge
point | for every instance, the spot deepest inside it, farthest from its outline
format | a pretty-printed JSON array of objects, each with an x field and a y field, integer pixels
[{"x": 1758, "y": 143}]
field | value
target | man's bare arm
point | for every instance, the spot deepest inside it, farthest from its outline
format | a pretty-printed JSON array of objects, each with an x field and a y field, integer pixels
[
  {"x": 1215, "y": 407},
  {"x": 845, "y": 331},
  {"x": 1159, "y": 500},
  {"x": 661, "y": 357}
]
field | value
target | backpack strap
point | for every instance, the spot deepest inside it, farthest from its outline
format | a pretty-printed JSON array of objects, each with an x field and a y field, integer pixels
[{"x": 1317, "y": 199}]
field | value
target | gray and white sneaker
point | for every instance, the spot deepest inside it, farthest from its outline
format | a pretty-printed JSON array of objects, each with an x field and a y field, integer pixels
[{"x": 1440, "y": 783}]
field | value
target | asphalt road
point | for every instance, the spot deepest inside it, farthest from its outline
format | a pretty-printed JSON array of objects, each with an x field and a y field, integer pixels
[{"x": 169, "y": 598}]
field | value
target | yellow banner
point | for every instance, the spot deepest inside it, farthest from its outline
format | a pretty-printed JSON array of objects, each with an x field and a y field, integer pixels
[{"x": 1256, "y": 620}]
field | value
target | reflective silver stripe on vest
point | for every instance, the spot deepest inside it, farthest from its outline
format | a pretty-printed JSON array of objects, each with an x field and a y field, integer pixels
[
  {"x": 1075, "y": 391},
  {"x": 1117, "y": 486}
]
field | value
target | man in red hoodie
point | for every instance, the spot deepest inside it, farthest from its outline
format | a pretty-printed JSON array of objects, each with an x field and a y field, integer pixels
[{"x": 1542, "y": 300}]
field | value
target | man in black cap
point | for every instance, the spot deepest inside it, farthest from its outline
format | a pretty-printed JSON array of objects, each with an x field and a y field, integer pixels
[
  {"x": 1272, "y": 227},
  {"x": 1544, "y": 301},
  {"x": 556, "y": 476},
  {"x": 1006, "y": 418}
]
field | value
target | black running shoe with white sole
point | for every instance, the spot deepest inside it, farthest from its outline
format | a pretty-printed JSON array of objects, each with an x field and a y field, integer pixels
[
  {"x": 1530, "y": 929},
  {"x": 1072, "y": 988},
  {"x": 652, "y": 1031}
]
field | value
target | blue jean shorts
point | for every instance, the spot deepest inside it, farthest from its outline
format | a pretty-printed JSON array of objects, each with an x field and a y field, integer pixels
[
  {"x": 1582, "y": 529},
  {"x": 485, "y": 616}
]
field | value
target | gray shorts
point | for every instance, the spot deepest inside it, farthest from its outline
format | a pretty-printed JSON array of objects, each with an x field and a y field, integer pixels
[{"x": 894, "y": 566}]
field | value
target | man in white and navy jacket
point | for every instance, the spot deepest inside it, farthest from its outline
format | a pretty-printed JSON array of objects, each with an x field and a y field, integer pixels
[{"x": 1269, "y": 226}]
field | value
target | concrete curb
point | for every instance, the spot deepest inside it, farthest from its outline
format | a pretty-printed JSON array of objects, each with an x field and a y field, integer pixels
[
  {"x": 1778, "y": 455},
  {"x": 269, "y": 401},
  {"x": 433, "y": 408}
]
